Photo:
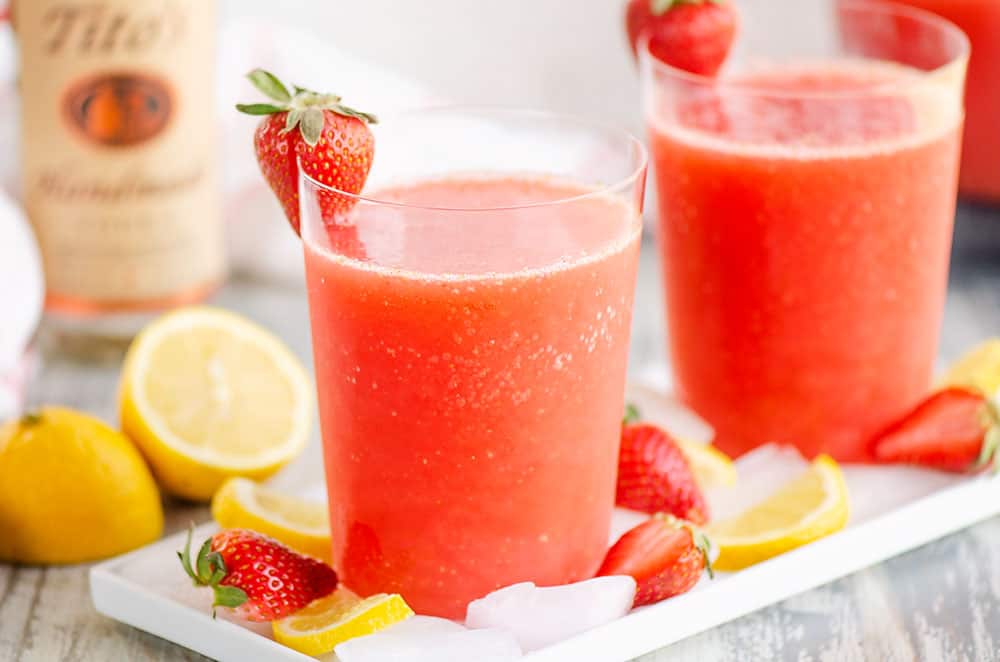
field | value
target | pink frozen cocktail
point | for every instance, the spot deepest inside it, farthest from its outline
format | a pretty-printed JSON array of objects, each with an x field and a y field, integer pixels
[{"x": 470, "y": 330}]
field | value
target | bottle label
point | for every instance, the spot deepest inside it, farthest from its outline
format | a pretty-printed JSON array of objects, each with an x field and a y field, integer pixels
[{"x": 118, "y": 147}]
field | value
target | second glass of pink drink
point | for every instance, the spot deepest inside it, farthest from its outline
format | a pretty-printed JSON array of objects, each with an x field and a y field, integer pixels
[
  {"x": 470, "y": 322},
  {"x": 806, "y": 202}
]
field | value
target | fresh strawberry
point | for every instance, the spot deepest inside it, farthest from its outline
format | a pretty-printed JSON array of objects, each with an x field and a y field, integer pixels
[
  {"x": 331, "y": 142},
  {"x": 654, "y": 475},
  {"x": 694, "y": 35},
  {"x": 664, "y": 555},
  {"x": 955, "y": 429},
  {"x": 256, "y": 576}
]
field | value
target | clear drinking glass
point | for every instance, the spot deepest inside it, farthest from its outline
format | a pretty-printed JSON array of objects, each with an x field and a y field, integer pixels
[
  {"x": 470, "y": 320},
  {"x": 806, "y": 201}
]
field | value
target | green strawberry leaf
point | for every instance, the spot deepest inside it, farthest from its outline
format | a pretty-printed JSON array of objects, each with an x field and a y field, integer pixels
[
  {"x": 292, "y": 121},
  {"x": 259, "y": 108},
  {"x": 312, "y": 125},
  {"x": 185, "y": 556},
  {"x": 660, "y": 7},
  {"x": 631, "y": 414},
  {"x": 204, "y": 565},
  {"x": 229, "y": 596},
  {"x": 269, "y": 84}
]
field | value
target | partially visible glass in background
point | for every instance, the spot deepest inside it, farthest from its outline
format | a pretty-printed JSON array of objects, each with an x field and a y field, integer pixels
[
  {"x": 807, "y": 201},
  {"x": 119, "y": 159},
  {"x": 980, "y": 19}
]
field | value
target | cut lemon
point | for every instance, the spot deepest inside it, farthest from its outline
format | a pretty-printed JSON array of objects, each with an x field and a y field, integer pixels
[
  {"x": 332, "y": 620},
  {"x": 807, "y": 508},
  {"x": 979, "y": 368},
  {"x": 301, "y": 524},
  {"x": 207, "y": 394},
  {"x": 711, "y": 467}
]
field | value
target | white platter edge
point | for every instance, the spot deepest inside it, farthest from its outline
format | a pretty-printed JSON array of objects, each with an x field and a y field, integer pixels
[
  {"x": 759, "y": 586},
  {"x": 642, "y": 631}
]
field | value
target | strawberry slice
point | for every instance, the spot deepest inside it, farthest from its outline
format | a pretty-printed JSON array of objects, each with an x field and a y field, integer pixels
[
  {"x": 956, "y": 429},
  {"x": 655, "y": 476},
  {"x": 256, "y": 576},
  {"x": 693, "y": 35},
  {"x": 665, "y": 556},
  {"x": 331, "y": 141}
]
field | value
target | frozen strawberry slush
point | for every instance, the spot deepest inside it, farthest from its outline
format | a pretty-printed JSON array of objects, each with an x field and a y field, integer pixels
[
  {"x": 805, "y": 244},
  {"x": 471, "y": 378}
]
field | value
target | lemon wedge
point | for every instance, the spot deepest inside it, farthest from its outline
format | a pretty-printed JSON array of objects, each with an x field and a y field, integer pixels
[
  {"x": 207, "y": 394},
  {"x": 332, "y": 620},
  {"x": 978, "y": 368},
  {"x": 805, "y": 509},
  {"x": 299, "y": 523},
  {"x": 711, "y": 467}
]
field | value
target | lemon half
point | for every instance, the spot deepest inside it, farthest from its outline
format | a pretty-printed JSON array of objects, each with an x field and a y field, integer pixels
[
  {"x": 207, "y": 394},
  {"x": 711, "y": 467},
  {"x": 979, "y": 368},
  {"x": 301, "y": 524},
  {"x": 807, "y": 508}
]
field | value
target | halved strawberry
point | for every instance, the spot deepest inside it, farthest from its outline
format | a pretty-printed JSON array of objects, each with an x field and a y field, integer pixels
[
  {"x": 331, "y": 142},
  {"x": 693, "y": 35},
  {"x": 664, "y": 555},
  {"x": 654, "y": 475},
  {"x": 257, "y": 576},
  {"x": 955, "y": 429}
]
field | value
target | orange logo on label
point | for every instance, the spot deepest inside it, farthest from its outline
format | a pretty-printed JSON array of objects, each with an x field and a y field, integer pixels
[{"x": 119, "y": 110}]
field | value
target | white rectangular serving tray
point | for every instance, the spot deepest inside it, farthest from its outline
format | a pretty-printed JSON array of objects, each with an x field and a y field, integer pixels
[{"x": 895, "y": 509}]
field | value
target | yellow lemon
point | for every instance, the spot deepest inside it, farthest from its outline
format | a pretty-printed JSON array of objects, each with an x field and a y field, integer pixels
[
  {"x": 332, "y": 620},
  {"x": 301, "y": 524},
  {"x": 807, "y": 508},
  {"x": 71, "y": 490},
  {"x": 711, "y": 466},
  {"x": 207, "y": 395},
  {"x": 979, "y": 368}
]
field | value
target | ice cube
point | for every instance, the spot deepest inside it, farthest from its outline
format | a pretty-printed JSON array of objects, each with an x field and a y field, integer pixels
[
  {"x": 431, "y": 640},
  {"x": 539, "y": 617},
  {"x": 762, "y": 472}
]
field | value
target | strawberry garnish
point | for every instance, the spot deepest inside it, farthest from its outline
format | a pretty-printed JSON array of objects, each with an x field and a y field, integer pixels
[
  {"x": 654, "y": 475},
  {"x": 331, "y": 141},
  {"x": 665, "y": 556},
  {"x": 693, "y": 35},
  {"x": 956, "y": 429},
  {"x": 257, "y": 576}
]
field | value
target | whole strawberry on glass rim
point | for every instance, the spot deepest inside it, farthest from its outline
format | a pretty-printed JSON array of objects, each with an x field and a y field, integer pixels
[
  {"x": 693, "y": 35},
  {"x": 256, "y": 576},
  {"x": 955, "y": 429},
  {"x": 331, "y": 143}
]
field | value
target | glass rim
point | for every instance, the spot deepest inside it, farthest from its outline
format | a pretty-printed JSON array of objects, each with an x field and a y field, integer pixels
[
  {"x": 630, "y": 141},
  {"x": 650, "y": 64}
]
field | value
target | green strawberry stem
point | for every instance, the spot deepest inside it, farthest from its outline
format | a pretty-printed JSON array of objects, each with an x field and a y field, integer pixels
[
  {"x": 991, "y": 441},
  {"x": 30, "y": 419},
  {"x": 304, "y": 107},
  {"x": 700, "y": 539},
  {"x": 660, "y": 7},
  {"x": 631, "y": 414},
  {"x": 208, "y": 570}
]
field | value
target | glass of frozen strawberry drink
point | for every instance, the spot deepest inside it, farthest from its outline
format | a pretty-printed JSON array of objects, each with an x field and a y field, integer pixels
[
  {"x": 806, "y": 200},
  {"x": 470, "y": 319}
]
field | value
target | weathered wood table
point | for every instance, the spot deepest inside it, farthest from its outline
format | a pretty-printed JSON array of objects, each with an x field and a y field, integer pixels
[{"x": 940, "y": 602}]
